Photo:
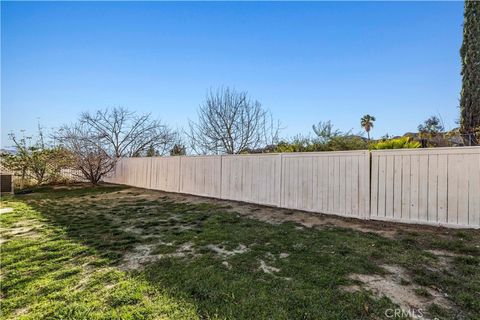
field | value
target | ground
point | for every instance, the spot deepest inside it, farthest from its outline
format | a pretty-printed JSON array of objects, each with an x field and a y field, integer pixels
[{"x": 115, "y": 252}]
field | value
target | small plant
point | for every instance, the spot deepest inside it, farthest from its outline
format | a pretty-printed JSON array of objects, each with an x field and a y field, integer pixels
[
  {"x": 35, "y": 161},
  {"x": 396, "y": 143}
]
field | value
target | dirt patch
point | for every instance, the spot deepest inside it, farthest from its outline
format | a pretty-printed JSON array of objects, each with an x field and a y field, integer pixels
[
  {"x": 305, "y": 219},
  {"x": 20, "y": 231},
  {"x": 133, "y": 230},
  {"x": 443, "y": 261},
  {"x": 142, "y": 254},
  {"x": 444, "y": 253},
  {"x": 25, "y": 229},
  {"x": 227, "y": 253},
  {"x": 87, "y": 274},
  {"x": 275, "y": 215},
  {"x": 6, "y": 210},
  {"x": 76, "y": 186},
  {"x": 21, "y": 311},
  {"x": 396, "y": 285},
  {"x": 271, "y": 270},
  {"x": 16, "y": 230},
  {"x": 267, "y": 269}
]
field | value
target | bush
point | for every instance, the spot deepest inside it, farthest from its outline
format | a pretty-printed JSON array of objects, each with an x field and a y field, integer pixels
[
  {"x": 298, "y": 144},
  {"x": 396, "y": 143},
  {"x": 337, "y": 143},
  {"x": 351, "y": 142}
]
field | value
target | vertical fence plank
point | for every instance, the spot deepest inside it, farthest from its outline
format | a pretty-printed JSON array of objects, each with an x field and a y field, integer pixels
[
  {"x": 336, "y": 185},
  {"x": 382, "y": 163},
  {"x": 423, "y": 188},
  {"x": 452, "y": 200},
  {"x": 324, "y": 183},
  {"x": 374, "y": 186},
  {"x": 463, "y": 189},
  {"x": 397, "y": 187},
  {"x": 474, "y": 190},
  {"x": 389, "y": 186},
  {"x": 349, "y": 180},
  {"x": 356, "y": 194},
  {"x": 414, "y": 185},
  {"x": 432, "y": 214},
  {"x": 342, "y": 185},
  {"x": 442, "y": 188}
]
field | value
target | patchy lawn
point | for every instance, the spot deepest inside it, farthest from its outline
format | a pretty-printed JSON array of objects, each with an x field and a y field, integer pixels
[{"x": 114, "y": 252}]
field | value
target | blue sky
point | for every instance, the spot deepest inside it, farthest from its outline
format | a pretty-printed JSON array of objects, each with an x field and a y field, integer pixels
[{"x": 306, "y": 62}]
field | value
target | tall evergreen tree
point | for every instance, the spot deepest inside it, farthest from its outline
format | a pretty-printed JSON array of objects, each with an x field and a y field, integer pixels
[{"x": 470, "y": 53}]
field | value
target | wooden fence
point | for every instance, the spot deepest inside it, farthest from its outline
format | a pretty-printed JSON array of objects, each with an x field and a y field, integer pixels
[
  {"x": 429, "y": 186},
  {"x": 438, "y": 186},
  {"x": 329, "y": 182}
]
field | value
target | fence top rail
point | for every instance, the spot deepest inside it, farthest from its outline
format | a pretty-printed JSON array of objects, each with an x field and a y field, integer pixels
[
  {"x": 446, "y": 150},
  {"x": 325, "y": 153},
  {"x": 295, "y": 154}
]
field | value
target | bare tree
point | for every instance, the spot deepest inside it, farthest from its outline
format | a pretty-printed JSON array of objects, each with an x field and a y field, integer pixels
[
  {"x": 229, "y": 122},
  {"x": 128, "y": 134},
  {"x": 88, "y": 149},
  {"x": 325, "y": 132},
  {"x": 97, "y": 140}
]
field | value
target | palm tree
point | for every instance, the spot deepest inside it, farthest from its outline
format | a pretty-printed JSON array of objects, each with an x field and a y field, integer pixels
[{"x": 367, "y": 123}]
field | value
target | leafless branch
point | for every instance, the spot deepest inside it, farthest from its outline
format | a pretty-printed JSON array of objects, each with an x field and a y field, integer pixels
[
  {"x": 127, "y": 133},
  {"x": 88, "y": 149},
  {"x": 229, "y": 122}
]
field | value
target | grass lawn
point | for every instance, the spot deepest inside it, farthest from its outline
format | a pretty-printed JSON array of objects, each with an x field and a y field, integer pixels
[{"x": 114, "y": 252}]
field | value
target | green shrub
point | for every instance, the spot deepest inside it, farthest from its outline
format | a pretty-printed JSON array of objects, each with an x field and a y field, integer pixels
[
  {"x": 347, "y": 142},
  {"x": 397, "y": 143},
  {"x": 337, "y": 143}
]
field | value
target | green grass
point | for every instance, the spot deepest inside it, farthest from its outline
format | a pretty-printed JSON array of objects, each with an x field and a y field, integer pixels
[{"x": 65, "y": 251}]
